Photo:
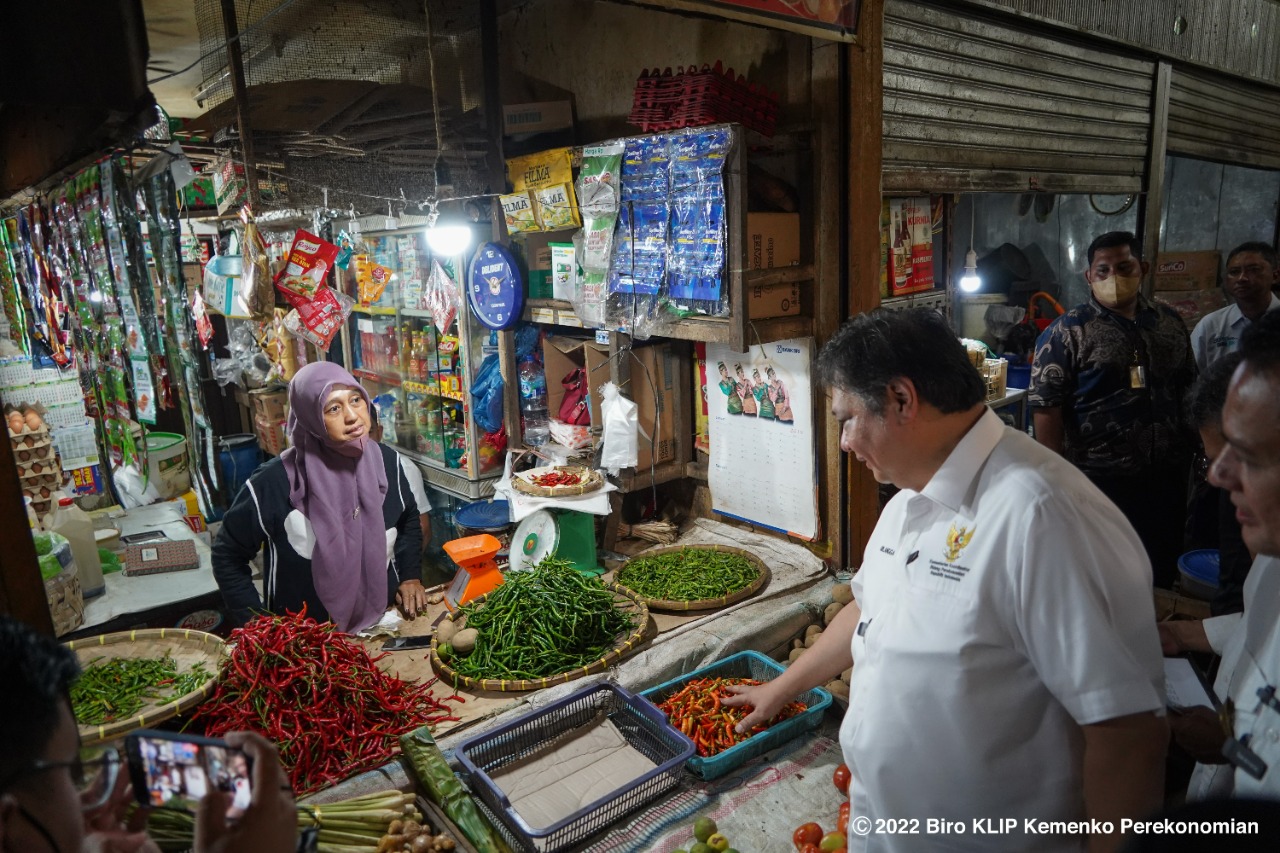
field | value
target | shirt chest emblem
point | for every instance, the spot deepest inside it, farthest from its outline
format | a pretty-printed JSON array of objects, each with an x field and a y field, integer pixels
[{"x": 958, "y": 538}]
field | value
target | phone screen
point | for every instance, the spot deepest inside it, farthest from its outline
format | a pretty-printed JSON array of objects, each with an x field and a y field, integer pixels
[{"x": 175, "y": 772}]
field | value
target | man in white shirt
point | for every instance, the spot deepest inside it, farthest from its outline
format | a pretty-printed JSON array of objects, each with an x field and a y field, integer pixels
[
  {"x": 1005, "y": 661},
  {"x": 1252, "y": 272},
  {"x": 1249, "y": 468}
]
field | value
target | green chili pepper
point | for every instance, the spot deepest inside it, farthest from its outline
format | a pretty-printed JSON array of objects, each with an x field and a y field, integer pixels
[
  {"x": 690, "y": 574},
  {"x": 106, "y": 692}
]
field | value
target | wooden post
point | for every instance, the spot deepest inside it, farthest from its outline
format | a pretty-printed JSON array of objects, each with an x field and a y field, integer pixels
[
  {"x": 21, "y": 587},
  {"x": 235, "y": 67},
  {"x": 866, "y": 108},
  {"x": 1151, "y": 205}
]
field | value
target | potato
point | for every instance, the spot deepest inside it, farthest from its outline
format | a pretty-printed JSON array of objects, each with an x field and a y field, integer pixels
[
  {"x": 797, "y": 643},
  {"x": 838, "y": 688},
  {"x": 795, "y": 655},
  {"x": 811, "y": 630},
  {"x": 830, "y": 613},
  {"x": 464, "y": 642},
  {"x": 847, "y": 676},
  {"x": 842, "y": 593},
  {"x": 810, "y": 639},
  {"x": 445, "y": 631},
  {"x": 444, "y": 842}
]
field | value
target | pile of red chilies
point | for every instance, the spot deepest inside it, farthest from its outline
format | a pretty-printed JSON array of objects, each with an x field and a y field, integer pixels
[
  {"x": 319, "y": 697},
  {"x": 696, "y": 711}
]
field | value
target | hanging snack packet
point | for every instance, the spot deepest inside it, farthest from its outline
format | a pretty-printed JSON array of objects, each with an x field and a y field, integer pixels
[
  {"x": 204, "y": 326},
  {"x": 310, "y": 260},
  {"x": 547, "y": 178},
  {"x": 517, "y": 209},
  {"x": 256, "y": 276},
  {"x": 320, "y": 319},
  {"x": 440, "y": 297},
  {"x": 371, "y": 278}
]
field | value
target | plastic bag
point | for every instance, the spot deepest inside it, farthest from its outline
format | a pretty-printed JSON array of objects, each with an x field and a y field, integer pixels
[
  {"x": 440, "y": 297},
  {"x": 486, "y": 395},
  {"x": 319, "y": 319},
  {"x": 621, "y": 422},
  {"x": 256, "y": 284}
]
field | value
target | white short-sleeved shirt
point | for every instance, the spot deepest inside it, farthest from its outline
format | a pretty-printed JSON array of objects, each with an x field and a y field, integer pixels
[
  {"x": 1218, "y": 333},
  {"x": 1257, "y": 666},
  {"x": 414, "y": 476},
  {"x": 1003, "y": 607}
]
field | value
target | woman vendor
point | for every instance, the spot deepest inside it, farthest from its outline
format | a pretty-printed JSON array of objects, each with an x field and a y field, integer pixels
[{"x": 335, "y": 512}]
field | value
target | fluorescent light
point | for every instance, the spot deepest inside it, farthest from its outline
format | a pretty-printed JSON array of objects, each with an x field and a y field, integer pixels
[{"x": 970, "y": 281}]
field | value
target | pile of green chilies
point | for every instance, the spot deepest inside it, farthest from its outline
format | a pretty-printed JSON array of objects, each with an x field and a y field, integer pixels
[
  {"x": 690, "y": 574},
  {"x": 106, "y": 692},
  {"x": 542, "y": 622}
]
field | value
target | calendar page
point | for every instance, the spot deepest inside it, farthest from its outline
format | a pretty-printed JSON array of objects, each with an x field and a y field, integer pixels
[{"x": 760, "y": 412}]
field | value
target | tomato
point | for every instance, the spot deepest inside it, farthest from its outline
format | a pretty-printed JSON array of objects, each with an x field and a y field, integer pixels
[
  {"x": 810, "y": 848},
  {"x": 841, "y": 779},
  {"x": 843, "y": 824},
  {"x": 832, "y": 841},
  {"x": 810, "y": 833}
]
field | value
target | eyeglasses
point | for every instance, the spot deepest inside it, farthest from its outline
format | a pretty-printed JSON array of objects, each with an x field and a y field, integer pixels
[{"x": 94, "y": 778}]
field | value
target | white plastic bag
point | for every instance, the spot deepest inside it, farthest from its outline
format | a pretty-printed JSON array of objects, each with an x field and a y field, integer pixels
[{"x": 621, "y": 421}]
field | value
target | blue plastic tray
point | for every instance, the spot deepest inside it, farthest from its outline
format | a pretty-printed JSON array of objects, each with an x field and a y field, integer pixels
[
  {"x": 645, "y": 728},
  {"x": 761, "y": 668}
]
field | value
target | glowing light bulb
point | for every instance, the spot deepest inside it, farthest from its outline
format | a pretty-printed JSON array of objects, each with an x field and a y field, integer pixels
[{"x": 970, "y": 281}]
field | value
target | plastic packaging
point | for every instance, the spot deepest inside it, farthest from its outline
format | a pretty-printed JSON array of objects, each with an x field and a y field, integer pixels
[
  {"x": 533, "y": 403},
  {"x": 73, "y": 523},
  {"x": 621, "y": 423}
]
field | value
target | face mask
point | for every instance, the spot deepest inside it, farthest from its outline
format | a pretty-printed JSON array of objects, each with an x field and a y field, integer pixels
[{"x": 1116, "y": 289}]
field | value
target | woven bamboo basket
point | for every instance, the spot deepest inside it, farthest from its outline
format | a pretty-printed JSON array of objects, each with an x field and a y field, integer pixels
[
  {"x": 591, "y": 481},
  {"x": 621, "y": 650},
  {"x": 187, "y": 648},
  {"x": 762, "y": 579}
]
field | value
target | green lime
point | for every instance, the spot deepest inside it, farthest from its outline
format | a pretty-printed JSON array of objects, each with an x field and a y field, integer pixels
[
  {"x": 703, "y": 828},
  {"x": 700, "y": 847}
]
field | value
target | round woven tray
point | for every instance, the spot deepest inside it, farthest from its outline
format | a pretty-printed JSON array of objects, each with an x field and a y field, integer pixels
[
  {"x": 762, "y": 578},
  {"x": 187, "y": 648},
  {"x": 591, "y": 481},
  {"x": 619, "y": 651}
]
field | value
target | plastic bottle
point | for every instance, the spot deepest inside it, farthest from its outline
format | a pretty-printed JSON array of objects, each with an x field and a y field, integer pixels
[
  {"x": 533, "y": 403},
  {"x": 74, "y": 523}
]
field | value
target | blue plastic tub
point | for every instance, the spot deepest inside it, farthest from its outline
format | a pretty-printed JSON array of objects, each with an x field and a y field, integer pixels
[
  {"x": 1199, "y": 570},
  {"x": 746, "y": 665},
  {"x": 644, "y": 727},
  {"x": 238, "y": 456}
]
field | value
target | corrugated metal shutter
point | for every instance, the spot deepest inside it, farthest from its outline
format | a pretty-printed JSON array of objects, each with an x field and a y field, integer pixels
[
  {"x": 1217, "y": 118},
  {"x": 974, "y": 104}
]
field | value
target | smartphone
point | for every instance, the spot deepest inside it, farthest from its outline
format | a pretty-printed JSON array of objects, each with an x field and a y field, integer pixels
[
  {"x": 145, "y": 536},
  {"x": 176, "y": 771}
]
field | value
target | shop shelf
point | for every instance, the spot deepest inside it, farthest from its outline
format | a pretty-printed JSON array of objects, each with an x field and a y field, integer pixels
[
  {"x": 643, "y": 726},
  {"x": 746, "y": 665}
]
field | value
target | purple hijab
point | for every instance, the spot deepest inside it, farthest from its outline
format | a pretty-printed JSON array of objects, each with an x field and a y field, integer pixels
[{"x": 339, "y": 487}]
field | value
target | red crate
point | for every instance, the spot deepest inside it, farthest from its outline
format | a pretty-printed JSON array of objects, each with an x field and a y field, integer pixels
[{"x": 696, "y": 97}]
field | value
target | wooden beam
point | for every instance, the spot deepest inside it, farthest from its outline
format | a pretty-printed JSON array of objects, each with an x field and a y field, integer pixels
[
  {"x": 235, "y": 62},
  {"x": 866, "y": 108},
  {"x": 1151, "y": 204},
  {"x": 22, "y": 593}
]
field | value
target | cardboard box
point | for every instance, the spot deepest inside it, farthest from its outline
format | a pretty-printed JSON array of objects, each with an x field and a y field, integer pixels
[
  {"x": 773, "y": 300},
  {"x": 1191, "y": 305},
  {"x": 270, "y": 405},
  {"x": 655, "y": 395},
  {"x": 1184, "y": 271},
  {"x": 773, "y": 240},
  {"x": 540, "y": 117},
  {"x": 535, "y": 249}
]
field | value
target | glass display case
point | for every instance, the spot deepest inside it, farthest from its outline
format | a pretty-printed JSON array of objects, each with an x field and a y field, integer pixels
[{"x": 419, "y": 375}]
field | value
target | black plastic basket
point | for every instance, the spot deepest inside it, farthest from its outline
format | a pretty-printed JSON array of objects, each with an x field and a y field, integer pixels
[{"x": 644, "y": 727}]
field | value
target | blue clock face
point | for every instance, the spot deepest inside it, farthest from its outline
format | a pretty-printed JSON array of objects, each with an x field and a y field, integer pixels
[{"x": 495, "y": 288}]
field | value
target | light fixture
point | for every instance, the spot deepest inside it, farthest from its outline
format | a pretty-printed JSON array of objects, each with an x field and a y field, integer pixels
[
  {"x": 448, "y": 233},
  {"x": 970, "y": 281}
]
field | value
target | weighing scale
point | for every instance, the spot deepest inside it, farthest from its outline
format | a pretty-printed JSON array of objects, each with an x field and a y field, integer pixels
[
  {"x": 477, "y": 568},
  {"x": 568, "y": 534}
]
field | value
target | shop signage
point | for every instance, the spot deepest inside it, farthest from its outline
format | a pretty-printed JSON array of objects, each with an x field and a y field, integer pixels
[{"x": 832, "y": 19}]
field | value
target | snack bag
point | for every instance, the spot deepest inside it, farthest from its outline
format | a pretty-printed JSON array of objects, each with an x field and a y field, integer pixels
[
  {"x": 310, "y": 260},
  {"x": 517, "y": 209},
  {"x": 547, "y": 178},
  {"x": 371, "y": 278},
  {"x": 319, "y": 320},
  {"x": 256, "y": 278}
]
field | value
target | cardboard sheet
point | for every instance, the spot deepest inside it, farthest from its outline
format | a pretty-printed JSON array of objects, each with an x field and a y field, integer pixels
[{"x": 571, "y": 772}]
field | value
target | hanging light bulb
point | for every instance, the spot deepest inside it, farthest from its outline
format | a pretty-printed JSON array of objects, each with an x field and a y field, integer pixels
[
  {"x": 449, "y": 233},
  {"x": 970, "y": 281}
]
